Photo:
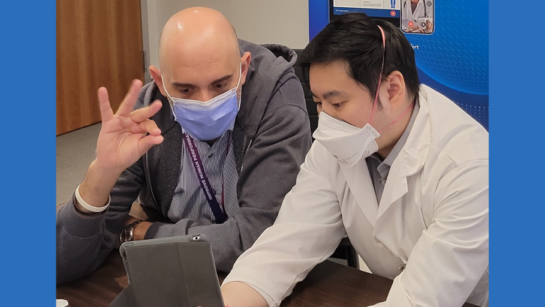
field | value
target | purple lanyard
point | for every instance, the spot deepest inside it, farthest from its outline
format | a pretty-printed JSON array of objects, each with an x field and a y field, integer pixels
[{"x": 219, "y": 214}]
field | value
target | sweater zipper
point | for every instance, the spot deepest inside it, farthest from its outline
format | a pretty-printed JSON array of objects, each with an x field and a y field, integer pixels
[
  {"x": 148, "y": 180},
  {"x": 244, "y": 154}
]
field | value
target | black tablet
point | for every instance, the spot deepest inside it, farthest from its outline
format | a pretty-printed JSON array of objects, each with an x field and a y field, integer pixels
[{"x": 176, "y": 271}]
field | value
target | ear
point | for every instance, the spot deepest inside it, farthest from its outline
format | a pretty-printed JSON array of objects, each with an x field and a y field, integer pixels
[
  {"x": 245, "y": 62},
  {"x": 393, "y": 91},
  {"x": 157, "y": 78}
]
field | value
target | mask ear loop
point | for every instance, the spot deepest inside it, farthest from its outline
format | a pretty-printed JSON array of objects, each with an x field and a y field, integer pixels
[
  {"x": 239, "y": 75},
  {"x": 399, "y": 117},
  {"x": 238, "y": 83},
  {"x": 380, "y": 75},
  {"x": 378, "y": 87}
]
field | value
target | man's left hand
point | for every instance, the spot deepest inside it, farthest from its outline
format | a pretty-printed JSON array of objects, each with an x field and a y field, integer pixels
[{"x": 140, "y": 230}]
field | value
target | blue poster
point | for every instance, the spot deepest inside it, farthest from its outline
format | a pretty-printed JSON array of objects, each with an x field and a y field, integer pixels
[{"x": 450, "y": 40}]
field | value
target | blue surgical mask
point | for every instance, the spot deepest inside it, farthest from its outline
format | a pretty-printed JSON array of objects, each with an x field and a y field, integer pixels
[{"x": 207, "y": 120}]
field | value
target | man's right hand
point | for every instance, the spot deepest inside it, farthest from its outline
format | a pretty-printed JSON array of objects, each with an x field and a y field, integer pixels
[
  {"x": 124, "y": 137},
  {"x": 239, "y": 294}
]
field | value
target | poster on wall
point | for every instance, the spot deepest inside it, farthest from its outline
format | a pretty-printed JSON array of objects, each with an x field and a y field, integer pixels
[{"x": 449, "y": 38}]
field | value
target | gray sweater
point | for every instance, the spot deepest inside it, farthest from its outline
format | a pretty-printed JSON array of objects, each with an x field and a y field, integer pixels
[{"x": 270, "y": 140}]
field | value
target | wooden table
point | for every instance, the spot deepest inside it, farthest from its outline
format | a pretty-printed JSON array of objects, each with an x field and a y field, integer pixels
[{"x": 329, "y": 285}]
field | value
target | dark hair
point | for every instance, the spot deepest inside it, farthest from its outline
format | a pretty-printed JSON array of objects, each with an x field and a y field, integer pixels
[{"x": 356, "y": 39}]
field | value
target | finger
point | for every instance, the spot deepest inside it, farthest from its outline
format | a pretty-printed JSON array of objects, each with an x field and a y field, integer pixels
[
  {"x": 128, "y": 102},
  {"x": 147, "y": 112},
  {"x": 150, "y": 127},
  {"x": 147, "y": 142},
  {"x": 104, "y": 102}
]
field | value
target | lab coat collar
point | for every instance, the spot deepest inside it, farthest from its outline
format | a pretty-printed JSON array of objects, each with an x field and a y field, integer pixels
[
  {"x": 359, "y": 181},
  {"x": 412, "y": 157},
  {"x": 410, "y": 160}
]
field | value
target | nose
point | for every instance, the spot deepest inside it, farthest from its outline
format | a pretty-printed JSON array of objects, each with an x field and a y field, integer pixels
[{"x": 205, "y": 96}]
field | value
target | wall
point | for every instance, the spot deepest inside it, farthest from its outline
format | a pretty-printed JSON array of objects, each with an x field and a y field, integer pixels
[
  {"x": 260, "y": 21},
  {"x": 453, "y": 60}
]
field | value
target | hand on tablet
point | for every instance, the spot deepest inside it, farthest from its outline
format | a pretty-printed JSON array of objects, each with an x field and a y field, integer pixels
[{"x": 239, "y": 294}]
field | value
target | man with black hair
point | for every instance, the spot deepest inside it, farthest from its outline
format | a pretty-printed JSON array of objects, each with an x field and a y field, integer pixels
[{"x": 397, "y": 167}]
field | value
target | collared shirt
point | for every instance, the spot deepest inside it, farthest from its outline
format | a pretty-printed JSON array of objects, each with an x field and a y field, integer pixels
[
  {"x": 189, "y": 201},
  {"x": 378, "y": 168}
]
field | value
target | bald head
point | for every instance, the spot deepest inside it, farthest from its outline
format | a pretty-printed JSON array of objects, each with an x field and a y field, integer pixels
[
  {"x": 199, "y": 56},
  {"x": 196, "y": 33}
]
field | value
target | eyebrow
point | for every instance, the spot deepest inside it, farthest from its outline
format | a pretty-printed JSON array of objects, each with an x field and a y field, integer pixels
[
  {"x": 329, "y": 94},
  {"x": 224, "y": 78}
]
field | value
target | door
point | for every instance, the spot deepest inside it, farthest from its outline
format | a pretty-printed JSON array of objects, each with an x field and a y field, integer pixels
[{"x": 99, "y": 43}]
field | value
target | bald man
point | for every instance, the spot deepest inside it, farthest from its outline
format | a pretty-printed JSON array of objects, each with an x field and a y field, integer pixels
[{"x": 211, "y": 146}]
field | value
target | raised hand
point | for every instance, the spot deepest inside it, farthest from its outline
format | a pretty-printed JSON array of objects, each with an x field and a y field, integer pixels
[
  {"x": 123, "y": 139},
  {"x": 126, "y": 135}
]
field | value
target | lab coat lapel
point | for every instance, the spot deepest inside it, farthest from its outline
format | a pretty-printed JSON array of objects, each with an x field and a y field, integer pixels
[
  {"x": 410, "y": 160},
  {"x": 396, "y": 186},
  {"x": 359, "y": 181}
]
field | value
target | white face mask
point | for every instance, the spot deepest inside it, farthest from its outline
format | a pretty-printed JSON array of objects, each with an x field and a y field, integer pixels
[
  {"x": 345, "y": 142},
  {"x": 348, "y": 144}
]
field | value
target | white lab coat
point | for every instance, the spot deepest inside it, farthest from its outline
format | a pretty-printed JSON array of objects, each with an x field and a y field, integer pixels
[
  {"x": 433, "y": 216},
  {"x": 420, "y": 15}
]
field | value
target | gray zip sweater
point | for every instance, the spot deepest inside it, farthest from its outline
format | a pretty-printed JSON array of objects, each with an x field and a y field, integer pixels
[{"x": 270, "y": 140}]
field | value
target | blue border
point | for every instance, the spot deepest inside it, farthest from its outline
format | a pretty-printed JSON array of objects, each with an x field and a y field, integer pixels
[
  {"x": 28, "y": 153},
  {"x": 517, "y": 205}
]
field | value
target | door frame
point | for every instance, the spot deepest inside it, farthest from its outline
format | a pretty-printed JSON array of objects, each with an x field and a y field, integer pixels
[{"x": 145, "y": 38}]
